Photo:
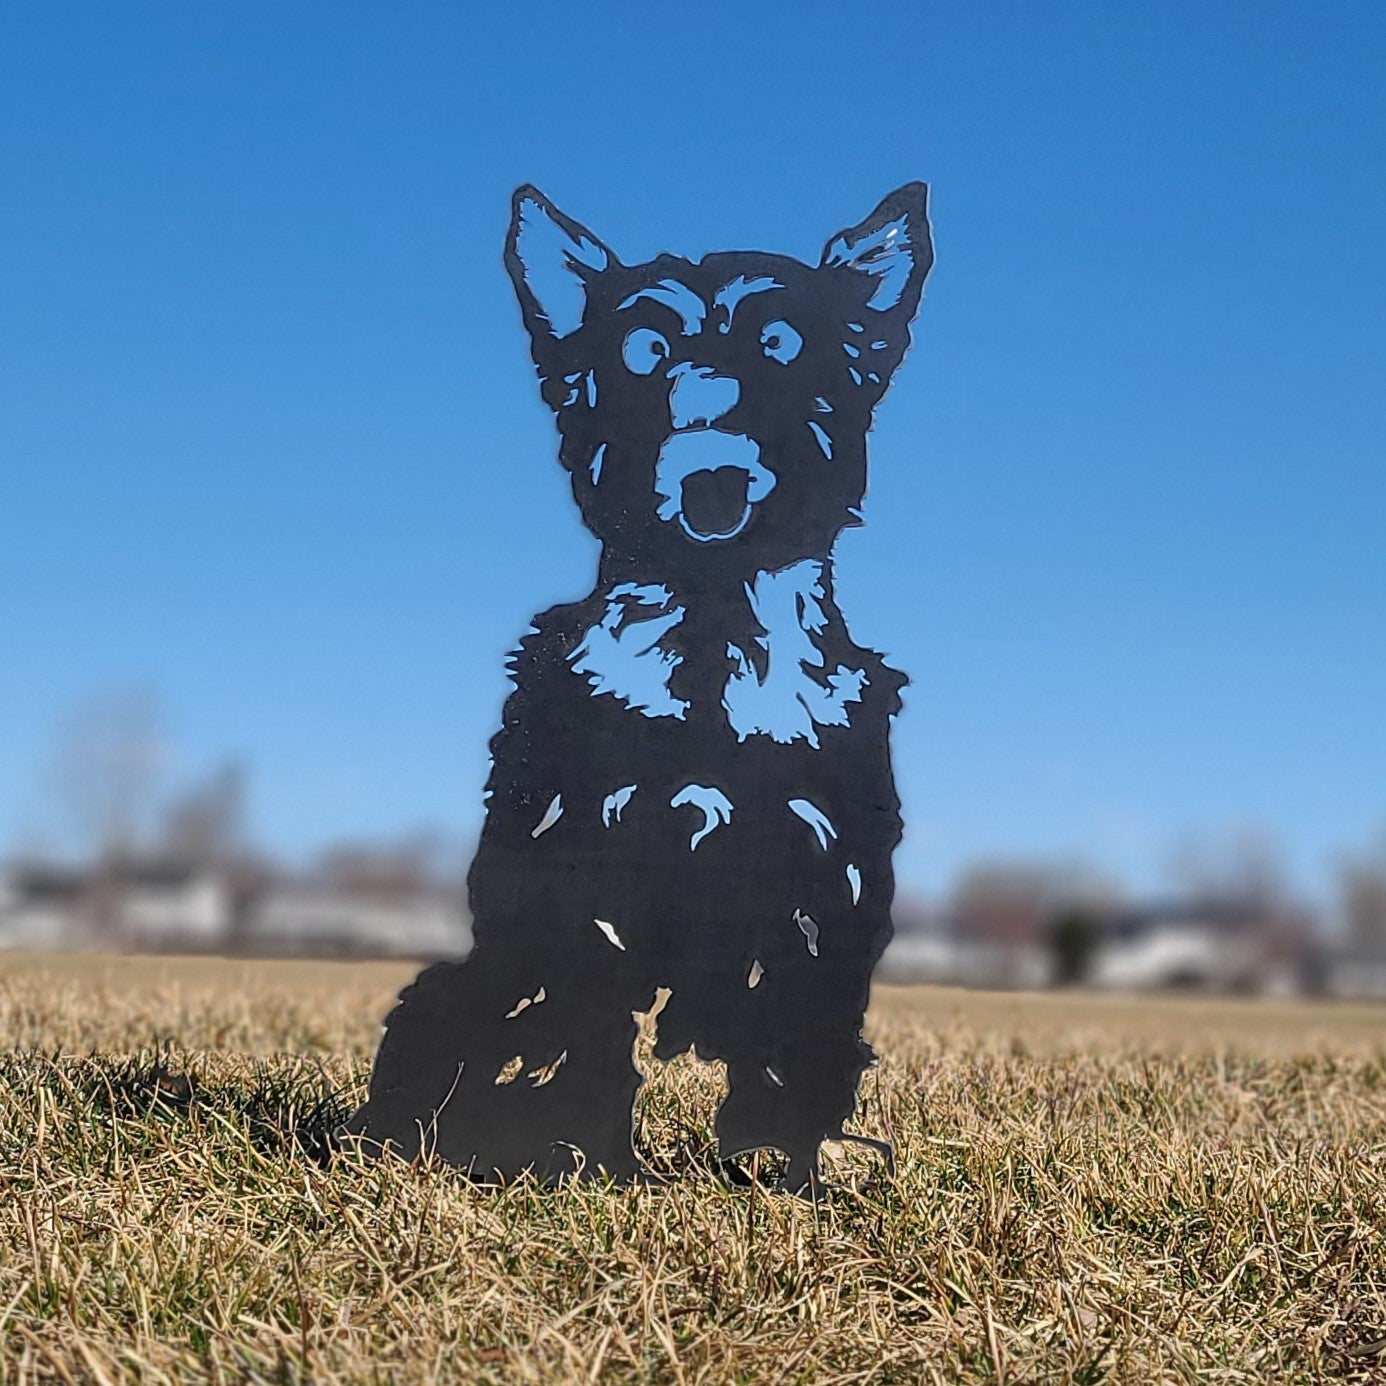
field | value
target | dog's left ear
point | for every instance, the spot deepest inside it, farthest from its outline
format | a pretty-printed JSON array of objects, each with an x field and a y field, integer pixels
[
  {"x": 893, "y": 249},
  {"x": 550, "y": 258}
]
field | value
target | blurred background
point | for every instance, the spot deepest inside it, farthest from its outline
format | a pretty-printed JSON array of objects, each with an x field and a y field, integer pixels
[{"x": 277, "y": 491}]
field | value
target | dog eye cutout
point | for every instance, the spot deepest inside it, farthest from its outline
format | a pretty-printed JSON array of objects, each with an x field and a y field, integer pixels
[
  {"x": 780, "y": 341},
  {"x": 643, "y": 350}
]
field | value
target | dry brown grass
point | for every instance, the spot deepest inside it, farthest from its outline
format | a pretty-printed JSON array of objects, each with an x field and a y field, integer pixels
[{"x": 1090, "y": 1190}]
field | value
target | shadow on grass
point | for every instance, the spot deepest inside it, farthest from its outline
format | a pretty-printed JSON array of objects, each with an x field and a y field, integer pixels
[
  {"x": 292, "y": 1109},
  {"x": 287, "y": 1108}
]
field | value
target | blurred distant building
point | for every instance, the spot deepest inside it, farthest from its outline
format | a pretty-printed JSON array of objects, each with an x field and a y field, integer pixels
[
  {"x": 1360, "y": 970},
  {"x": 1010, "y": 927},
  {"x": 1211, "y": 944},
  {"x": 162, "y": 904},
  {"x": 1003, "y": 926},
  {"x": 41, "y": 907},
  {"x": 995, "y": 929},
  {"x": 366, "y": 899},
  {"x": 158, "y": 905},
  {"x": 134, "y": 903},
  {"x": 295, "y": 919}
]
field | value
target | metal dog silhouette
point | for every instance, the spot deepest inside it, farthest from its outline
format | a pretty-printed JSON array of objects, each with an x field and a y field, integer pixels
[{"x": 691, "y": 787}]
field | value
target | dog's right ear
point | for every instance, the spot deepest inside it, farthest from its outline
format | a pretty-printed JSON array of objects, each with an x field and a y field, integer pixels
[{"x": 550, "y": 258}]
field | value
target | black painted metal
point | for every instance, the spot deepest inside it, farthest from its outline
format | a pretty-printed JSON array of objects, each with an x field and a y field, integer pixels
[{"x": 691, "y": 785}]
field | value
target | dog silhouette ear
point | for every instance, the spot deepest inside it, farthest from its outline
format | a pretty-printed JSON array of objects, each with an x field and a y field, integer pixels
[
  {"x": 893, "y": 248},
  {"x": 550, "y": 258}
]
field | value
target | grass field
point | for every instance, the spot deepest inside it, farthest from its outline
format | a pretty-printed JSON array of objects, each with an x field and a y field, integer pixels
[{"x": 1090, "y": 1189}]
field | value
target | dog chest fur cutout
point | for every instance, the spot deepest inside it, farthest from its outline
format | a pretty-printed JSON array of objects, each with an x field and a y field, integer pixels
[{"x": 691, "y": 787}]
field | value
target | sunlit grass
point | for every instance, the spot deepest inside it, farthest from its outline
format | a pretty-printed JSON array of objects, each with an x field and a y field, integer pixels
[{"x": 1088, "y": 1190}]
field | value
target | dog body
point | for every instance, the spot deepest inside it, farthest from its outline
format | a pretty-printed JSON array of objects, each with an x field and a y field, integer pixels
[{"x": 691, "y": 787}]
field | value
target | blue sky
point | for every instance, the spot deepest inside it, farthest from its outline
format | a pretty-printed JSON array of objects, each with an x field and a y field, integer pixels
[{"x": 270, "y": 445}]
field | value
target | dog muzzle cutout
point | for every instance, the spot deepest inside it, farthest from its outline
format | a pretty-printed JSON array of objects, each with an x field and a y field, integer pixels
[
  {"x": 708, "y": 482},
  {"x": 691, "y": 793}
]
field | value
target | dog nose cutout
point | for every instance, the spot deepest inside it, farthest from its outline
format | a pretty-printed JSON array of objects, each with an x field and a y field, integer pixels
[
  {"x": 714, "y": 501},
  {"x": 700, "y": 397}
]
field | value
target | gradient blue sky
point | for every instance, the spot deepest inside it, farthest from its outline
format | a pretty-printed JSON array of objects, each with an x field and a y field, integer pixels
[{"x": 270, "y": 444}]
